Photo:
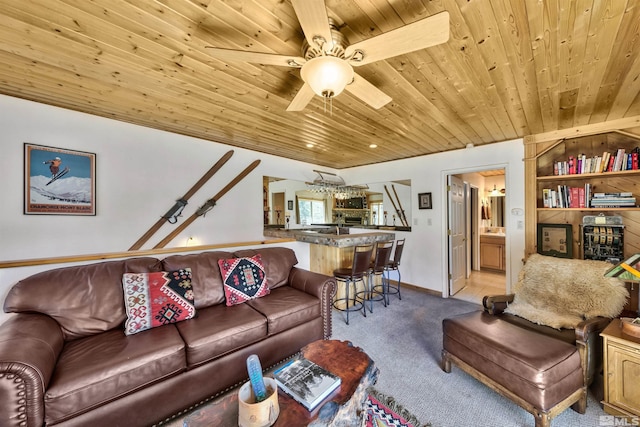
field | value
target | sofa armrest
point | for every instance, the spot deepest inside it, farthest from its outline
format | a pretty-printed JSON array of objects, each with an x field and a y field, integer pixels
[
  {"x": 29, "y": 348},
  {"x": 589, "y": 345},
  {"x": 320, "y": 286},
  {"x": 496, "y": 304}
]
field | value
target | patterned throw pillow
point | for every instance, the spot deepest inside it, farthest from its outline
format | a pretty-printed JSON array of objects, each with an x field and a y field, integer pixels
[
  {"x": 244, "y": 279},
  {"x": 155, "y": 299}
]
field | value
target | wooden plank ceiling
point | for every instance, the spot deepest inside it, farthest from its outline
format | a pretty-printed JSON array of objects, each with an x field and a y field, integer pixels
[{"x": 510, "y": 68}]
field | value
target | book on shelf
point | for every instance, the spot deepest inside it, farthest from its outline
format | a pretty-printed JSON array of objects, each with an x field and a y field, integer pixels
[
  {"x": 613, "y": 200},
  {"x": 306, "y": 382},
  {"x": 564, "y": 196},
  {"x": 618, "y": 160}
]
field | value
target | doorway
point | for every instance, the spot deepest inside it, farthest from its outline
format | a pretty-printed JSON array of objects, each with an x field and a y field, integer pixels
[{"x": 471, "y": 196}]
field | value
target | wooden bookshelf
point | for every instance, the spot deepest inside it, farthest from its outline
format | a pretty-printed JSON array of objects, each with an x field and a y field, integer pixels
[{"x": 542, "y": 151}]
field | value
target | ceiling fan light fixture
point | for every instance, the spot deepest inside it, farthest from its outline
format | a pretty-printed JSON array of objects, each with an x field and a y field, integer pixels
[{"x": 327, "y": 75}]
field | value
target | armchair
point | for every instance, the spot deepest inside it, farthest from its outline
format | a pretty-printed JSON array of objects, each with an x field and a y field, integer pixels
[{"x": 539, "y": 346}]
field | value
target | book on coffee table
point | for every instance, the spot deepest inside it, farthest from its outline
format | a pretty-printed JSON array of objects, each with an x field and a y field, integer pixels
[{"x": 306, "y": 382}]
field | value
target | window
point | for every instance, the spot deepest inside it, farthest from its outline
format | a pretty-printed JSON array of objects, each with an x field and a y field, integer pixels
[
  {"x": 378, "y": 213},
  {"x": 311, "y": 211}
]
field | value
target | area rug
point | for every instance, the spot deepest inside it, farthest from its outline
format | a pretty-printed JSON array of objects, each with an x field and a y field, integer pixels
[
  {"x": 384, "y": 411},
  {"x": 380, "y": 411}
]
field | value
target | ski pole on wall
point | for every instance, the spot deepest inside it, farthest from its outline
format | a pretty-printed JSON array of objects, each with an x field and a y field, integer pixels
[
  {"x": 403, "y": 216},
  {"x": 393, "y": 203},
  {"x": 172, "y": 214},
  {"x": 208, "y": 205}
]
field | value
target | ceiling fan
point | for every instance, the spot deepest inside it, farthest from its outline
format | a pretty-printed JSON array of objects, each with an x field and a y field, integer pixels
[{"x": 327, "y": 61}]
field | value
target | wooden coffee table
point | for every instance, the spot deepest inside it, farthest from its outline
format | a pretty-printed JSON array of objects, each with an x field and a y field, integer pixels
[{"x": 343, "y": 407}]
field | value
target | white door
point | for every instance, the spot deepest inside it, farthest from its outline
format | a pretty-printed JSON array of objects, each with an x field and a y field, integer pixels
[{"x": 456, "y": 231}]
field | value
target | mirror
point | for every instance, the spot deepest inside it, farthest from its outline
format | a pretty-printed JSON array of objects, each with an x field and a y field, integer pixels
[
  {"x": 292, "y": 204},
  {"x": 497, "y": 211}
]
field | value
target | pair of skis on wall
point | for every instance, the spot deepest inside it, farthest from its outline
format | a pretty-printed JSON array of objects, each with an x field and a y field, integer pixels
[
  {"x": 398, "y": 209},
  {"x": 172, "y": 214}
]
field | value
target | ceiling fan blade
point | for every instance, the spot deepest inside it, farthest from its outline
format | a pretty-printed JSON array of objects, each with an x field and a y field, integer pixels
[
  {"x": 367, "y": 92},
  {"x": 302, "y": 98},
  {"x": 418, "y": 35},
  {"x": 256, "y": 57},
  {"x": 313, "y": 18}
]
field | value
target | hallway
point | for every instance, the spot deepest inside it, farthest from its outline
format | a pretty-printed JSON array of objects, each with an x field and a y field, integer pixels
[{"x": 481, "y": 283}]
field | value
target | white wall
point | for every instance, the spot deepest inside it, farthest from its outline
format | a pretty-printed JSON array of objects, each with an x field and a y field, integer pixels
[
  {"x": 142, "y": 171},
  {"x": 425, "y": 256}
]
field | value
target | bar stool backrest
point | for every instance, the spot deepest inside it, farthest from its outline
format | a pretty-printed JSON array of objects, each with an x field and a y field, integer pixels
[
  {"x": 397, "y": 254},
  {"x": 383, "y": 253},
  {"x": 361, "y": 260}
]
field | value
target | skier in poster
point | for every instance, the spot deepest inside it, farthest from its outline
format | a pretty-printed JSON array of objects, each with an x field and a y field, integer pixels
[{"x": 54, "y": 166}]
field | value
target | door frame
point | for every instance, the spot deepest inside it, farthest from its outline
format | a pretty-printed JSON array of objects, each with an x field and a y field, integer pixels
[
  {"x": 474, "y": 241},
  {"x": 445, "y": 212}
]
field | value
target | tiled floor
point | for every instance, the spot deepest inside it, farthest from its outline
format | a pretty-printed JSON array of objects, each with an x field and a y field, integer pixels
[{"x": 481, "y": 283}]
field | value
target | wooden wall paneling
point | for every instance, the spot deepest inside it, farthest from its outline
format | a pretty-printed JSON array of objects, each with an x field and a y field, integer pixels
[
  {"x": 605, "y": 20},
  {"x": 543, "y": 35},
  {"x": 530, "y": 203},
  {"x": 483, "y": 23},
  {"x": 510, "y": 69},
  {"x": 619, "y": 25}
]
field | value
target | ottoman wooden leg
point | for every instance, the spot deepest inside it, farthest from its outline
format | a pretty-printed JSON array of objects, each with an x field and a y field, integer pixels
[
  {"x": 543, "y": 420},
  {"x": 445, "y": 362},
  {"x": 581, "y": 405}
]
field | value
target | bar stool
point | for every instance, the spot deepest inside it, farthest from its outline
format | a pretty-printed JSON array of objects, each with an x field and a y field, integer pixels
[
  {"x": 393, "y": 265},
  {"x": 378, "y": 268},
  {"x": 350, "y": 275}
]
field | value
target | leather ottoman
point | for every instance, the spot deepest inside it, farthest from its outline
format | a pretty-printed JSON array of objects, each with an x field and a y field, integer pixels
[{"x": 541, "y": 374}]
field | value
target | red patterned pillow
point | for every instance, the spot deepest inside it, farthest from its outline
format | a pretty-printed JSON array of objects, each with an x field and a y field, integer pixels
[
  {"x": 244, "y": 279},
  {"x": 155, "y": 299}
]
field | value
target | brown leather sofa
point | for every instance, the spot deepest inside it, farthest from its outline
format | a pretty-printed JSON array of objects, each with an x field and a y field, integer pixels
[{"x": 65, "y": 360}]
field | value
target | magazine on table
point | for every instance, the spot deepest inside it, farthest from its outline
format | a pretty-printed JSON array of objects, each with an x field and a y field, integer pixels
[{"x": 306, "y": 382}]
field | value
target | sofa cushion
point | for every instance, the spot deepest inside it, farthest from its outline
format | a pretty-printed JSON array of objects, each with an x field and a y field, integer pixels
[
  {"x": 84, "y": 300},
  {"x": 277, "y": 262},
  {"x": 155, "y": 299},
  {"x": 219, "y": 330},
  {"x": 244, "y": 279},
  {"x": 205, "y": 274},
  {"x": 286, "y": 307},
  {"x": 101, "y": 368}
]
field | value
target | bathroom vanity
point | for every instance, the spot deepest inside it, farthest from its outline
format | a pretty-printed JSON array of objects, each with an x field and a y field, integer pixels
[{"x": 492, "y": 251}]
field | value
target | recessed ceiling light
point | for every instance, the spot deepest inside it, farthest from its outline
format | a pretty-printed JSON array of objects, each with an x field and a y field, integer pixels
[
  {"x": 373, "y": 146},
  {"x": 309, "y": 145}
]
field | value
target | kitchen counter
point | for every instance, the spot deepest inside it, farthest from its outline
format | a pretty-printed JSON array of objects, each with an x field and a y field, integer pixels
[
  {"x": 331, "y": 248},
  {"x": 329, "y": 237}
]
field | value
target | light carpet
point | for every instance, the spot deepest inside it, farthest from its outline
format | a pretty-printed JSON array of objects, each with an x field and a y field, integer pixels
[{"x": 405, "y": 341}]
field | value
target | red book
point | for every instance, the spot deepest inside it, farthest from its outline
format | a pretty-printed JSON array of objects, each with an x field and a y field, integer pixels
[
  {"x": 634, "y": 160},
  {"x": 572, "y": 165},
  {"x": 581, "y": 198},
  {"x": 612, "y": 161},
  {"x": 574, "y": 200}
]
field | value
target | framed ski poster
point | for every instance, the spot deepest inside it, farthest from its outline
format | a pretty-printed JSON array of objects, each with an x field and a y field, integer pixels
[{"x": 58, "y": 181}]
